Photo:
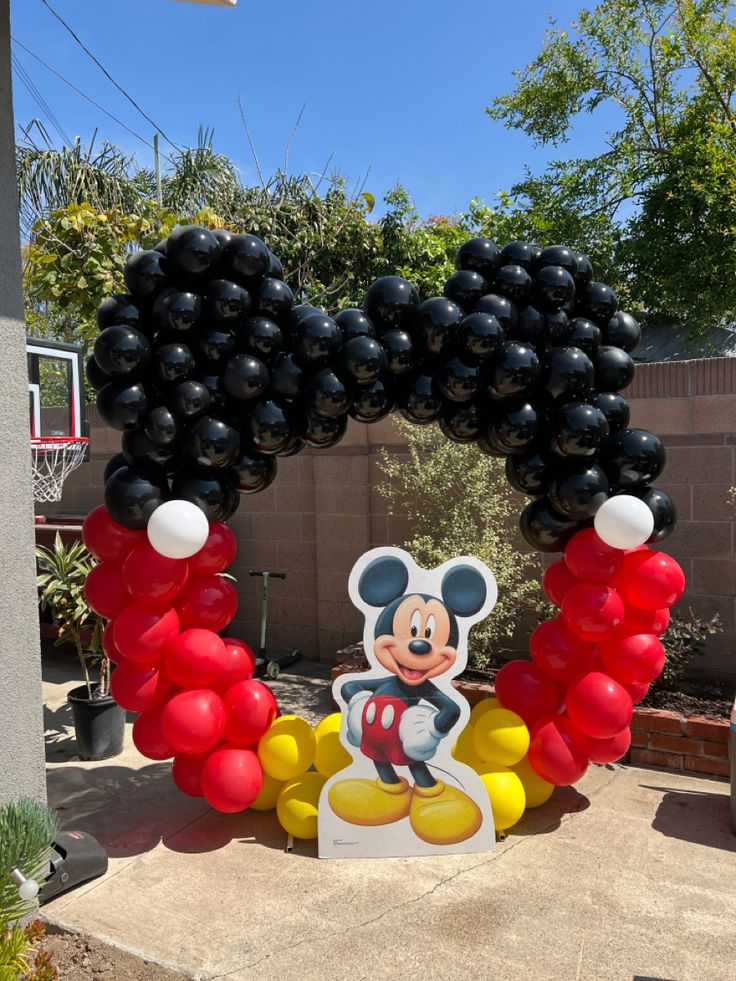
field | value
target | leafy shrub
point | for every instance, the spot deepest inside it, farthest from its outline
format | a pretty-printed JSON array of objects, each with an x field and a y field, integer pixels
[{"x": 684, "y": 639}]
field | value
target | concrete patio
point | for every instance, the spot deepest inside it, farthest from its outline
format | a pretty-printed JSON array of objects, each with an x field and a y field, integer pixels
[{"x": 631, "y": 875}]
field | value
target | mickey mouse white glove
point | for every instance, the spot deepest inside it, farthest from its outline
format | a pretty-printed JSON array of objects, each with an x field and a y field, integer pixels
[
  {"x": 355, "y": 717},
  {"x": 419, "y": 738}
]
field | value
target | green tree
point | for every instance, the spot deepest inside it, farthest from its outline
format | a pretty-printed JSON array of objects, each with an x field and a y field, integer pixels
[{"x": 659, "y": 199}]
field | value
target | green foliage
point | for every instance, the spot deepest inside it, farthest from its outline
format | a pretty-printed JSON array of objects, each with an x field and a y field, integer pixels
[
  {"x": 26, "y": 832},
  {"x": 685, "y": 638},
  {"x": 64, "y": 569},
  {"x": 659, "y": 201},
  {"x": 458, "y": 502}
]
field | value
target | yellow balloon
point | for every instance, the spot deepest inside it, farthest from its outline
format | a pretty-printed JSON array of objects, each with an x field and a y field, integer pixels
[
  {"x": 266, "y": 800},
  {"x": 287, "y": 748},
  {"x": 506, "y": 792},
  {"x": 537, "y": 790},
  {"x": 297, "y": 805},
  {"x": 480, "y": 708},
  {"x": 501, "y": 736},
  {"x": 464, "y": 749},
  {"x": 330, "y": 755}
]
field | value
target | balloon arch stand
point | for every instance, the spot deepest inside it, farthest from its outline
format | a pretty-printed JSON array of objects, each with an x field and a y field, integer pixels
[{"x": 212, "y": 373}]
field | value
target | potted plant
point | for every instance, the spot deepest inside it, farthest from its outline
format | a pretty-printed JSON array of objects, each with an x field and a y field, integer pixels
[{"x": 99, "y": 723}]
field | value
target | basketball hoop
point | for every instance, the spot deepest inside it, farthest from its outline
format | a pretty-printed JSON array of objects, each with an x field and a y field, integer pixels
[{"x": 54, "y": 458}]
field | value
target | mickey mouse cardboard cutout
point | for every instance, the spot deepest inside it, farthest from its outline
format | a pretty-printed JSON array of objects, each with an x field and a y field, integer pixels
[{"x": 404, "y": 794}]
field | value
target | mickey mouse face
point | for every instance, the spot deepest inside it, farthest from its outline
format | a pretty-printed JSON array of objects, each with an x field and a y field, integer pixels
[{"x": 418, "y": 647}]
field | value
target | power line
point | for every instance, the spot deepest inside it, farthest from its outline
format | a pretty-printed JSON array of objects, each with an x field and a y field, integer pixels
[
  {"x": 107, "y": 73},
  {"x": 29, "y": 84}
]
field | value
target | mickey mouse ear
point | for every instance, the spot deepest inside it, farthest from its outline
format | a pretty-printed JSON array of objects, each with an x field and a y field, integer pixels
[
  {"x": 383, "y": 580},
  {"x": 464, "y": 590}
]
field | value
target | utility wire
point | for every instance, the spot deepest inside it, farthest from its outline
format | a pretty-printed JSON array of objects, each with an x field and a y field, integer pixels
[
  {"x": 87, "y": 97},
  {"x": 27, "y": 81},
  {"x": 107, "y": 74}
]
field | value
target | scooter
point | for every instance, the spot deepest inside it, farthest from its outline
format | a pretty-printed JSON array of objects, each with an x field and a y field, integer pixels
[{"x": 265, "y": 664}]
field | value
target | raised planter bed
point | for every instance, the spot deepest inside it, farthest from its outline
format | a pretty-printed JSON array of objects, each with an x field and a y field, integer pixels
[{"x": 659, "y": 738}]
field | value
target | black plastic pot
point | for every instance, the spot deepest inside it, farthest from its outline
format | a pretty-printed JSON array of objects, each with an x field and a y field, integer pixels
[{"x": 99, "y": 724}]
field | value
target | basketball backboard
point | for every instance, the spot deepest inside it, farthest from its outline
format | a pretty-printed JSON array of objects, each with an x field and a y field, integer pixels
[{"x": 55, "y": 389}]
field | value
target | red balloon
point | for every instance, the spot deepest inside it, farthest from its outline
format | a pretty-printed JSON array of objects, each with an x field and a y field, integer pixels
[
  {"x": 193, "y": 721},
  {"x": 588, "y": 557},
  {"x": 136, "y": 688},
  {"x": 558, "y": 653},
  {"x": 240, "y": 663},
  {"x": 637, "y": 693},
  {"x": 186, "y": 772},
  {"x": 556, "y": 581},
  {"x": 148, "y": 735},
  {"x": 636, "y": 659},
  {"x": 598, "y": 705},
  {"x": 523, "y": 689},
  {"x": 105, "y": 590},
  {"x": 646, "y": 621},
  {"x": 609, "y": 750},
  {"x": 592, "y": 610},
  {"x": 232, "y": 779},
  {"x": 151, "y": 576},
  {"x": 195, "y": 658},
  {"x": 650, "y": 580},
  {"x": 251, "y": 708},
  {"x": 142, "y": 631},
  {"x": 210, "y": 602},
  {"x": 558, "y": 751},
  {"x": 107, "y": 539},
  {"x": 108, "y": 644},
  {"x": 217, "y": 552}
]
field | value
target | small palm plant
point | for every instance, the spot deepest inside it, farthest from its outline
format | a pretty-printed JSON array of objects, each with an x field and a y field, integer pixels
[{"x": 64, "y": 569}]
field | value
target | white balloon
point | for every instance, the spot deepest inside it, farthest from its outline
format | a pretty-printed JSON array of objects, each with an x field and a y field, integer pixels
[
  {"x": 178, "y": 529},
  {"x": 28, "y": 890},
  {"x": 623, "y": 521}
]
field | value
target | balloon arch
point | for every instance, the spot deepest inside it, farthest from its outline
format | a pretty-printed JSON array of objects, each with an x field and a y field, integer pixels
[{"x": 212, "y": 372}]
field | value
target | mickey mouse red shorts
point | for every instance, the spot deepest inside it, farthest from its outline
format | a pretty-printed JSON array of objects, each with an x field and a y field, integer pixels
[{"x": 380, "y": 742}]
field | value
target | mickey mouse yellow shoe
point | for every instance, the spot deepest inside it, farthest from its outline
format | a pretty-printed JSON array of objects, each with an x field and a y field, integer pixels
[
  {"x": 443, "y": 815},
  {"x": 370, "y": 802}
]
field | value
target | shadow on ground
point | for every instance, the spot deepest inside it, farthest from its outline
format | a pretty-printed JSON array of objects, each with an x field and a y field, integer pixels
[
  {"x": 542, "y": 820},
  {"x": 700, "y": 817}
]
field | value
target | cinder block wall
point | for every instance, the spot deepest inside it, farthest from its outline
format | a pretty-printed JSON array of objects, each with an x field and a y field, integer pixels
[{"x": 324, "y": 509}]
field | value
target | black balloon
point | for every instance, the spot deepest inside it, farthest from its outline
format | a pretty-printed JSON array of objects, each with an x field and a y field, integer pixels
[
  {"x": 528, "y": 473},
  {"x": 211, "y": 443},
  {"x": 400, "y": 353},
  {"x": 176, "y": 310},
  {"x": 584, "y": 334},
  {"x": 295, "y": 445},
  {"x": 513, "y": 282},
  {"x": 391, "y": 303},
  {"x": 317, "y": 338},
  {"x": 269, "y": 427},
  {"x": 614, "y": 407},
  {"x": 95, "y": 375},
  {"x": 515, "y": 429},
  {"x": 600, "y": 303},
  {"x": 458, "y": 380},
  {"x": 480, "y": 335},
  {"x": 579, "y": 492},
  {"x": 633, "y": 458},
  {"x": 545, "y": 529},
  {"x": 212, "y": 381},
  {"x": 372, "y": 402},
  {"x": 275, "y": 299},
  {"x": 246, "y": 258},
  {"x": 122, "y": 352},
  {"x": 354, "y": 323},
  {"x": 327, "y": 395},
  {"x": 141, "y": 452},
  {"x": 556, "y": 327},
  {"x": 122, "y": 405},
  {"x": 462, "y": 423},
  {"x": 173, "y": 363},
  {"x": 363, "y": 359},
  {"x": 323, "y": 431},
  {"x": 119, "y": 309},
  {"x": 519, "y": 254},
  {"x": 113, "y": 464},
  {"x": 223, "y": 236},
  {"x": 465, "y": 288},
  {"x": 131, "y": 496},
  {"x": 583, "y": 275},
  {"x": 515, "y": 372},
  {"x": 216, "y": 344},
  {"x": 188, "y": 400},
  {"x": 614, "y": 369},
  {"x": 161, "y": 427},
  {"x": 245, "y": 377},
  {"x": 300, "y": 312},
  {"x": 622, "y": 330},
  {"x": 665, "y": 513},
  {"x": 501, "y": 308},
  {"x": 553, "y": 288},
  {"x": 479, "y": 255},
  {"x": 578, "y": 429},
  {"x": 485, "y": 445},
  {"x": 161, "y": 246},
  {"x": 530, "y": 327},
  {"x": 192, "y": 252},
  {"x": 262, "y": 338},
  {"x": 420, "y": 399},
  {"x": 568, "y": 374},
  {"x": 228, "y": 304},
  {"x": 214, "y": 492},
  {"x": 145, "y": 274},
  {"x": 436, "y": 323},
  {"x": 253, "y": 473},
  {"x": 557, "y": 255},
  {"x": 275, "y": 269},
  {"x": 287, "y": 377}
]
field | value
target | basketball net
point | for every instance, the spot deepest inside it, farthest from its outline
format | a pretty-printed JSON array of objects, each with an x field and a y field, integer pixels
[{"x": 54, "y": 458}]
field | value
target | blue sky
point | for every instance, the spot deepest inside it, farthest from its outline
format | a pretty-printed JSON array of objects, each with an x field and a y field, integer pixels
[{"x": 400, "y": 87}]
